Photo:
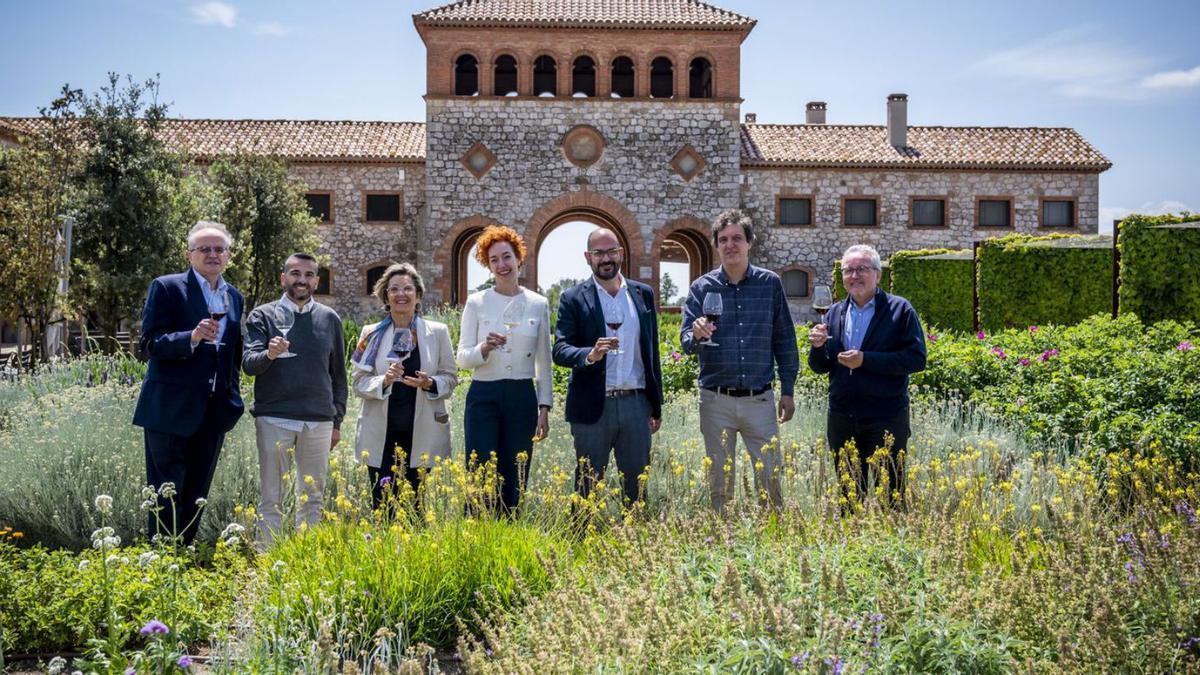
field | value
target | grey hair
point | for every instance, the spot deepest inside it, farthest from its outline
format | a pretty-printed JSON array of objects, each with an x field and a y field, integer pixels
[
  {"x": 869, "y": 250},
  {"x": 204, "y": 225},
  {"x": 733, "y": 217}
]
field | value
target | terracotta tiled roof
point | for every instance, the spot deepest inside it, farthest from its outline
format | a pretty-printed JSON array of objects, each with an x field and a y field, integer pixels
[
  {"x": 842, "y": 146},
  {"x": 295, "y": 140},
  {"x": 585, "y": 14}
]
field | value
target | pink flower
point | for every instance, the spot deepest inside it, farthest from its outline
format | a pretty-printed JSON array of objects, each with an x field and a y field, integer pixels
[
  {"x": 999, "y": 353},
  {"x": 1048, "y": 354},
  {"x": 1185, "y": 346},
  {"x": 1024, "y": 361},
  {"x": 932, "y": 337},
  {"x": 980, "y": 335},
  {"x": 1033, "y": 329},
  {"x": 676, "y": 356}
]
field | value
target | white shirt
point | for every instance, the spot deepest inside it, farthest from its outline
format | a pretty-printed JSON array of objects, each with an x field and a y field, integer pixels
[
  {"x": 283, "y": 422},
  {"x": 624, "y": 370},
  {"x": 528, "y": 350},
  {"x": 209, "y": 292}
]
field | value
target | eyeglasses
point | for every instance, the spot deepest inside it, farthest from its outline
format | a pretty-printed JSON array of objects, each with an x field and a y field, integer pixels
[
  {"x": 219, "y": 250},
  {"x": 609, "y": 253},
  {"x": 861, "y": 269}
]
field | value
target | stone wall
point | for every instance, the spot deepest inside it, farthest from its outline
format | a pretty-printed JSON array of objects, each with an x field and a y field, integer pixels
[
  {"x": 354, "y": 245},
  {"x": 632, "y": 184},
  {"x": 814, "y": 248}
]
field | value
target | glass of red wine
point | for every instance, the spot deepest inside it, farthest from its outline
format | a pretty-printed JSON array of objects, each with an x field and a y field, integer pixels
[
  {"x": 285, "y": 318},
  {"x": 822, "y": 299},
  {"x": 218, "y": 307},
  {"x": 713, "y": 308},
  {"x": 402, "y": 345},
  {"x": 614, "y": 316}
]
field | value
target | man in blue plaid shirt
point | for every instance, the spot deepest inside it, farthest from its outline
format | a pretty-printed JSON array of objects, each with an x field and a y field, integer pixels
[{"x": 739, "y": 355}]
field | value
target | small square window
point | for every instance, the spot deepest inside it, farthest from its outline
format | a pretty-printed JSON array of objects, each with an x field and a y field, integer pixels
[
  {"x": 383, "y": 208},
  {"x": 320, "y": 206},
  {"x": 373, "y": 276},
  {"x": 928, "y": 212},
  {"x": 1058, "y": 213},
  {"x": 860, "y": 212},
  {"x": 995, "y": 213},
  {"x": 795, "y": 283},
  {"x": 795, "y": 211}
]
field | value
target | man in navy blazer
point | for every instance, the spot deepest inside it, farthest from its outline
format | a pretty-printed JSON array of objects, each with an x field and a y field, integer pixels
[
  {"x": 868, "y": 344},
  {"x": 190, "y": 398},
  {"x": 614, "y": 400}
]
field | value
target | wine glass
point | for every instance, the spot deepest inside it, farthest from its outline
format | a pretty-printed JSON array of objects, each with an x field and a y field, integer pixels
[
  {"x": 402, "y": 345},
  {"x": 821, "y": 300},
  {"x": 614, "y": 316},
  {"x": 713, "y": 308},
  {"x": 218, "y": 307},
  {"x": 285, "y": 318},
  {"x": 511, "y": 318}
]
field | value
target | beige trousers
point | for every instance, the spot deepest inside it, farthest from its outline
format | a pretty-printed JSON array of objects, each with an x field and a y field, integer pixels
[
  {"x": 722, "y": 418},
  {"x": 276, "y": 447}
]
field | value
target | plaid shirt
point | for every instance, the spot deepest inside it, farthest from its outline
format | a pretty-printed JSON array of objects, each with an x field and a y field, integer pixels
[{"x": 754, "y": 335}]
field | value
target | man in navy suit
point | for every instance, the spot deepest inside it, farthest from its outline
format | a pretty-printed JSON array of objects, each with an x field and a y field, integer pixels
[
  {"x": 869, "y": 344},
  {"x": 614, "y": 400},
  {"x": 190, "y": 397}
]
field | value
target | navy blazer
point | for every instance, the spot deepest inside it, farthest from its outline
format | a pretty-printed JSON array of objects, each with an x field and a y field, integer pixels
[
  {"x": 580, "y": 324},
  {"x": 178, "y": 388},
  {"x": 893, "y": 348}
]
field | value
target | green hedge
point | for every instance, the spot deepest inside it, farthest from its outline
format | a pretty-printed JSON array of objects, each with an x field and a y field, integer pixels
[
  {"x": 938, "y": 284},
  {"x": 1159, "y": 275},
  {"x": 839, "y": 289},
  {"x": 1055, "y": 279}
]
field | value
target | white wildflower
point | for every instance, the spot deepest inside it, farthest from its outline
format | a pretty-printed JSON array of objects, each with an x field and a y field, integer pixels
[
  {"x": 104, "y": 503},
  {"x": 147, "y": 558},
  {"x": 166, "y": 490}
]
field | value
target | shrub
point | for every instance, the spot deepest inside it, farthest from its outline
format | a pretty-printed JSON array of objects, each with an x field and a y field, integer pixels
[
  {"x": 1159, "y": 277},
  {"x": 938, "y": 284},
  {"x": 1060, "y": 279}
]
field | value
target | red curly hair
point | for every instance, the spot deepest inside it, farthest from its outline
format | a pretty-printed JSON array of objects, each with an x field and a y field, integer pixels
[{"x": 493, "y": 234}]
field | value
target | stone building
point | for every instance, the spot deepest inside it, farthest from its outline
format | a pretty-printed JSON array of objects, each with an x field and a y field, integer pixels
[{"x": 628, "y": 114}]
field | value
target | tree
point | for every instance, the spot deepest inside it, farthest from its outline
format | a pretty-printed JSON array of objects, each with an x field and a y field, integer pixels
[
  {"x": 36, "y": 194},
  {"x": 668, "y": 290},
  {"x": 138, "y": 204},
  {"x": 556, "y": 290},
  {"x": 267, "y": 215}
]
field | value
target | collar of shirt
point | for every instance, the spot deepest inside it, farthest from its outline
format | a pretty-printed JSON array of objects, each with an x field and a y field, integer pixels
[
  {"x": 208, "y": 289},
  {"x": 287, "y": 302},
  {"x": 622, "y": 287}
]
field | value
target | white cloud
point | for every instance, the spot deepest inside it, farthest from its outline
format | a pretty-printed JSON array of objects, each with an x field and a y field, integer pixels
[
  {"x": 1110, "y": 213},
  {"x": 273, "y": 29},
  {"x": 1173, "y": 79},
  {"x": 220, "y": 13},
  {"x": 1088, "y": 64}
]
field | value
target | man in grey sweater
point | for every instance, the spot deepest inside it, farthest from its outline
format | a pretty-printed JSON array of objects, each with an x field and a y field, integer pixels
[{"x": 299, "y": 396}]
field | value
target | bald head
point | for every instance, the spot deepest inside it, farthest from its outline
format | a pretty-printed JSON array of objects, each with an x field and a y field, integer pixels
[{"x": 604, "y": 254}]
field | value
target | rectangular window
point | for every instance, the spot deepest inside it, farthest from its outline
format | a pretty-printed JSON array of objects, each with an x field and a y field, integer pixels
[
  {"x": 795, "y": 211},
  {"x": 860, "y": 212},
  {"x": 995, "y": 213},
  {"x": 928, "y": 212},
  {"x": 320, "y": 206},
  {"x": 324, "y": 281},
  {"x": 383, "y": 208},
  {"x": 1058, "y": 213}
]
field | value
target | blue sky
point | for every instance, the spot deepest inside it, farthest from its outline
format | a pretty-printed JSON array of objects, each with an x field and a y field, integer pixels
[{"x": 1125, "y": 75}]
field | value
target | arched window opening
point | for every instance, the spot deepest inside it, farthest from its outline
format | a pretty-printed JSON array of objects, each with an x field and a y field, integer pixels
[
  {"x": 622, "y": 77},
  {"x": 373, "y": 276},
  {"x": 795, "y": 283},
  {"x": 545, "y": 76},
  {"x": 700, "y": 78},
  {"x": 583, "y": 77},
  {"x": 504, "y": 76},
  {"x": 662, "y": 79},
  {"x": 466, "y": 76}
]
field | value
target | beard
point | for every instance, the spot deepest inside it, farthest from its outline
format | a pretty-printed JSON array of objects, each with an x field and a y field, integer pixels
[
  {"x": 606, "y": 270},
  {"x": 299, "y": 292}
]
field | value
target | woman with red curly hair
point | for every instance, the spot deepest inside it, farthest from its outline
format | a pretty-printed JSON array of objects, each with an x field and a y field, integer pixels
[{"x": 505, "y": 340}]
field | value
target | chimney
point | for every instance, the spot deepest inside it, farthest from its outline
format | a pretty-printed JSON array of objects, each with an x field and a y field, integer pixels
[
  {"x": 751, "y": 118},
  {"x": 814, "y": 112},
  {"x": 897, "y": 120}
]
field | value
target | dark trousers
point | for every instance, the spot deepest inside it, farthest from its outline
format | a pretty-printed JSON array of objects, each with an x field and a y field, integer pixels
[
  {"x": 189, "y": 462},
  {"x": 395, "y": 438},
  {"x": 500, "y": 419},
  {"x": 624, "y": 430},
  {"x": 868, "y": 435}
]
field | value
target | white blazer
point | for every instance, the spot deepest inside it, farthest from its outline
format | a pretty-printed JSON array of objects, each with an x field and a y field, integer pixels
[
  {"x": 528, "y": 353},
  {"x": 431, "y": 421}
]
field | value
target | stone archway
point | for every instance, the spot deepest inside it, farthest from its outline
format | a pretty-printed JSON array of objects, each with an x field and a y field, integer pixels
[
  {"x": 685, "y": 237},
  {"x": 453, "y": 256},
  {"x": 591, "y": 207}
]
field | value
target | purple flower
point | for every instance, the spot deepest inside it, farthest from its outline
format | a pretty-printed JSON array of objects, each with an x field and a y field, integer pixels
[
  {"x": 999, "y": 353},
  {"x": 1049, "y": 354},
  {"x": 154, "y": 626},
  {"x": 1184, "y": 509},
  {"x": 1126, "y": 538},
  {"x": 1185, "y": 346},
  {"x": 184, "y": 661},
  {"x": 1033, "y": 329},
  {"x": 131, "y": 671},
  {"x": 980, "y": 335},
  {"x": 676, "y": 356},
  {"x": 836, "y": 665},
  {"x": 798, "y": 660},
  {"x": 385, "y": 481},
  {"x": 1024, "y": 361},
  {"x": 932, "y": 337}
]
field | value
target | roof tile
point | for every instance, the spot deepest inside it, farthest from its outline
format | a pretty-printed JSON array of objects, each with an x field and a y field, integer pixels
[{"x": 585, "y": 14}]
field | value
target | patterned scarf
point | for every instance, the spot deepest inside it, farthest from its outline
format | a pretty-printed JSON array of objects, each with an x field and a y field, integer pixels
[{"x": 368, "y": 347}]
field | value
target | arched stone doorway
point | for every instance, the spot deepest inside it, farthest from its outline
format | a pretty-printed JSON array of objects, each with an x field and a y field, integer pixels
[
  {"x": 683, "y": 241},
  {"x": 587, "y": 207},
  {"x": 454, "y": 255}
]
